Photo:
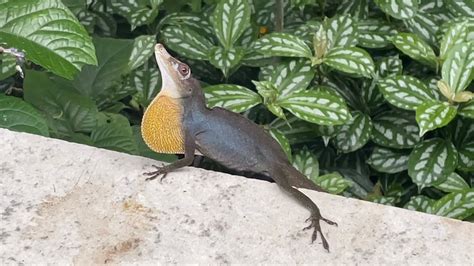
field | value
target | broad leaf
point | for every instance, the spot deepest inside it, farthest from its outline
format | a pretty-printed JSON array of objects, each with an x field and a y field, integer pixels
[
  {"x": 116, "y": 135},
  {"x": 395, "y": 129},
  {"x": 18, "y": 115},
  {"x": 400, "y": 9},
  {"x": 351, "y": 60},
  {"x": 333, "y": 183},
  {"x": 456, "y": 34},
  {"x": 232, "y": 97},
  {"x": 454, "y": 183},
  {"x": 463, "y": 138},
  {"x": 137, "y": 13},
  {"x": 405, "y": 92},
  {"x": 375, "y": 33},
  {"x": 389, "y": 66},
  {"x": 192, "y": 21},
  {"x": 415, "y": 47},
  {"x": 142, "y": 51},
  {"x": 425, "y": 25},
  {"x": 49, "y": 33},
  {"x": 457, "y": 69},
  {"x": 282, "y": 140},
  {"x": 7, "y": 66},
  {"x": 225, "y": 59},
  {"x": 307, "y": 163},
  {"x": 420, "y": 203},
  {"x": 295, "y": 130},
  {"x": 186, "y": 42},
  {"x": 354, "y": 134},
  {"x": 341, "y": 31},
  {"x": 230, "y": 19},
  {"x": 317, "y": 106},
  {"x": 282, "y": 44},
  {"x": 147, "y": 82},
  {"x": 467, "y": 109},
  {"x": 458, "y": 205},
  {"x": 292, "y": 76},
  {"x": 431, "y": 162},
  {"x": 388, "y": 161},
  {"x": 461, "y": 7},
  {"x": 432, "y": 114},
  {"x": 357, "y": 8}
]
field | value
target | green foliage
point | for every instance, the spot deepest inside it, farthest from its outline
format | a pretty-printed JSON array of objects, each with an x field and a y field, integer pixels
[{"x": 372, "y": 99}]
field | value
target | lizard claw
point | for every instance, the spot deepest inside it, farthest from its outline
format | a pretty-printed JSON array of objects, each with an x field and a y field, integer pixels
[
  {"x": 314, "y": 219},
  {"x": 154, "y": 174}
]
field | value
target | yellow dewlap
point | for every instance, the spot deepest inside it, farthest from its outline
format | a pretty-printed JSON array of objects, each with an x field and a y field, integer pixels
[{"x": 161, "y": 126}]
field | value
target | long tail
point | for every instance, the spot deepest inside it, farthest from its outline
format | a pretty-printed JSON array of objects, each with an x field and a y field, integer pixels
[{"x": 297, "y": 179}]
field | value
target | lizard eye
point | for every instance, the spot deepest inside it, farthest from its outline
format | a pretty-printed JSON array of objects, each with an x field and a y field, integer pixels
[{"x": 183, "y": 70}]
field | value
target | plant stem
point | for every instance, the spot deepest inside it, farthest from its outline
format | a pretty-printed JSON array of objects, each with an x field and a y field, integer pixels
[{"x": 279, "y": 16}]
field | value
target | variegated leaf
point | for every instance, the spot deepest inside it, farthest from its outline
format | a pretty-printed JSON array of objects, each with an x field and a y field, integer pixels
[
  {"x": 461, "y": 7},
  {"x": 356, "y": 8},
  {"x": 341, "y": 31},
  {"x": 456, "y": 34},
  {"x": 433, "y": 114},
  {"x": 425, "y": 25},
  {"x": 400, "y": 9},
  {"x": 225, "y": 60},
  {"x": 420, "y": 203},
  {"x": 458, "y": 205},
  {"x": 147, "y": 82},
  {"x": 431, "y": 162},
  {"x": 292, "y": 76},
  {"x": 229, "y": 20},
  {"x": 282, "y": 44},
  {"x": 255, "y": 59},
  {"x": 458, "y": 67},
  {"x": 350, "y": 60},
  {"x": 297, "y": 131},
  {"x": 467, "y": 110},
  {"x": 375, "y": 33},
  {"x": 333, "y": 183},
  {"x": 355, "y": 133},
  {"x": 7, "y": 66},
  {"x": 269, "y": 93},
  {"x": 283, "y": 141},
  {"x": 404, "y": 91},
  {"x": 186, "y": 42},
  {"x": 395, "y": 129},
  {"x": 388, "y": 161},
  {"x": 463, "y": 138},
  {"x": 415, "y": 47},
  {"x": 317, "y": 106},
  {"x": 232, "y": 97},
  {"x": 142, "y": 50},
  {"x": 307, "y": 163},
  {"x": 137, "y": 13},
  {"x": 389, "y": 66},
  {"x": 193, "y": 21},
  {"x": 454, "y": 183}
]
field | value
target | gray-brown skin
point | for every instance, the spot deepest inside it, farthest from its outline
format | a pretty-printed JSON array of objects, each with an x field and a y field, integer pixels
[{"x": 237, "y": 143}]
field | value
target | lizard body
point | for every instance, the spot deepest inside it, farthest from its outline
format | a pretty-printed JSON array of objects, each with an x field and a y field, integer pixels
[{"x": 226, "y": 137}]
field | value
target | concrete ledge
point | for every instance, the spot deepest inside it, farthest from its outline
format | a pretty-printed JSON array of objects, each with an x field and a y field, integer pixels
[{"x": 69, "y": 203}]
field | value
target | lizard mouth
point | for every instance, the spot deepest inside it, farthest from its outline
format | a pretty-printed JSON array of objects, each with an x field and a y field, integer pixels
[{"x": 171, "y": 84}]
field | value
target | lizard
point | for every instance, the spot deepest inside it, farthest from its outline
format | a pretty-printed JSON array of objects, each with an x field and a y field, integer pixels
[{"x": 178, "y": 121}]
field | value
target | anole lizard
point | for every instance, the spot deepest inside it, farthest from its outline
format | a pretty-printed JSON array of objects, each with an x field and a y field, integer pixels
[{"x": 178, "y": 121}]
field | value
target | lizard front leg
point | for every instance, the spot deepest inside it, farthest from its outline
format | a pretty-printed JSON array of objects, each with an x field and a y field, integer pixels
[{"x": 189, "y": 148}]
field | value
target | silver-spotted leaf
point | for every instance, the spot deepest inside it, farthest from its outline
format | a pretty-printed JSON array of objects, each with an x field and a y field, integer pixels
[
  {"x": 415, "y": 47},
  {"x": 457, "y": 33},
  {"x": 375, "y": 33},
  {"x": 282, "y": 140},
  {"x": 224, "y": 59},
  {"x": 395, "y": 129},
  {"x": 186, "y": 42},
  {"x": 229, "y": 20},
  {"x": 400, "y": 9},
  {"x": 292, "y": 76},
  {"x": 341, "y": 31},
  {"x": 352, "y": 60},
  {"x": 232, "y": 97},
  {"x": 433, "y": 114},
  {"x": 405, "y": 92},
  {"x": 333, "y": 183},
  {"x": 431, "y": 162},
  {"x": 142, "y": 51},
  {"x": 137, "y": 13},
  {"x": 307, "y": 163},
  {"x": 458, "y": 66},
  {"x": 388, "y": 161},
  {"x": 454, "y": 183},
  {"x": 282, "y": 44},
  {"x": 420, "y": 203},
  {"x": 354, "y": 134},
  {"x": 457, "y": 205}
]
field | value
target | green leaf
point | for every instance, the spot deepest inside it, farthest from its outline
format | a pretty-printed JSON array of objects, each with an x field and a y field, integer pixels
[
  {"x": 225, "y": 60},
  {"x": 66, "y": 110},
  {"x": 307, "y": 163},
  {"x": 431, "y": 162},
  {"x": 405, "y": 92},
  {"x": 191, "y": 20},
  {"x": 282, "y": 44},
  {"x": 186, "y": 42},
  {"x": 295, "y": 130},
  {"x": 229, "y": 20},
  {"x": 49, "y": 33},
  {"x": 395, "y": 129},
  {"x": 18, "y": 115},
  {"x": 467, "y": 110},
  {"x": 333, "y": 183},
  {"x": 400, "y": 9},
  {"x": 388, "y": 161},
  {"x": 137, "y": 13},
  {"x": 424, "y": 25},
  {"x": 463, "y": 138},
  {"x": 389, "y": 66},
  {"x": 320, "y": 106},
  {"x": 115, "y": 135},
  {"x": 415, "y": 47},
  {"x": 142, "y": 51},
  {"x": 147, "y": 82},
  {"x": 458, "y": 205},
  {"x": 457, "y": 69},
  {"x": 282, "y": 140},
  {"x": 355, "y": 133},
  {"x": 341, "y": 31},
  {"x": 375, "y": 33},
  {"x": 432, "y": 114},
  {"x": 292, "y": 76},
  {"x": 357, "y": 8},
  {"x": 232, "y": 97},
  {"x": 269, "y": 93},
  {"x": 456, "y": 34},
  {"x": 420, "y": 203},
  {"x": 461, "y": 7},
  {"x": 351, "y": 60},
  {"x": 454, "y": 183},
  {"x": 7, "y": 66}
]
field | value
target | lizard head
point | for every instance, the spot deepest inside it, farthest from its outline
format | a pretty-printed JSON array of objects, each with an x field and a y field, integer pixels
[{"x": 177, "y": 81}]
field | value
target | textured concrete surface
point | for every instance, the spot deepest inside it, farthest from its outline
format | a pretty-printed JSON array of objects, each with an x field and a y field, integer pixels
[{"x": 68, "y": 203}]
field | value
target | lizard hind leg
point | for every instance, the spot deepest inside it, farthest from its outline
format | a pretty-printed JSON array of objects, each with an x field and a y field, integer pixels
[{"x": 314, "y": 220}]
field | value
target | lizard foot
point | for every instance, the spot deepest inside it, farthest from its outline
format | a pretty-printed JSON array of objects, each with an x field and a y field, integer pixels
[
  {"x": 314, "y": 219},
  {"x": 154, "y": 174}
]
